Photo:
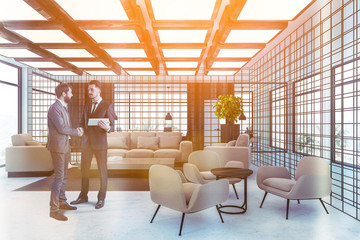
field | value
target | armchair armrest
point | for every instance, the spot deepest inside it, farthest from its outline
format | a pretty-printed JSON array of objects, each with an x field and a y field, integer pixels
[
  {"x": 242, "y": 154},
  {"x": 265, "y": 172},
  {"x": 209, "y": 195},
  {"x": 28, "y": 159},
  {"x": 185, "y": 149},
  {"x": 310, "y": 187}
]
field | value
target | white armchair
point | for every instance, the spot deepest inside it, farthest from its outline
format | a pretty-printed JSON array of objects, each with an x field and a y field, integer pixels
[
  {"x": 27, "y": 157},
  {"x": 240, "y": 151},
  {"x": 168, "y": 189},
  {"x": 197, "y": 170},
  {"x": 312, "y": 181}
]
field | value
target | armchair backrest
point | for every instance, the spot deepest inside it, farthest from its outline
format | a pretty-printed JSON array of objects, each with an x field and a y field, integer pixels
[
  {"x": 166, "y": 187},
  {"x": 205, "y": 160},
  {"x": 23, "y": 139},
  {"x": 312, "y": 166}
]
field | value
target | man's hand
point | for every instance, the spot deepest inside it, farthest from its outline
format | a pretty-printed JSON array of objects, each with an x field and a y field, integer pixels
[
  {"x": 80, "y": 131},
  {"x": 104, "y": 125}
]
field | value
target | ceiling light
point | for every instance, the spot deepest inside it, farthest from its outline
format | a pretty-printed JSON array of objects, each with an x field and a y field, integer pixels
[
  {"x": 272, "y": 10},
  {"x": 183, "y": 10},
  {"x": 247, "y": 36},
  {"x": 17, "y": 53},
  {"x": 237, "y": 53},
  {"x": 94, "y": 9},
  {"x": 113, "y": 36},
  {"x": 126, "y": 53},
  {"x": 45, "y": 36},
  {"x": 182, "y": 36},
  {"x": 182, "y": 52}
]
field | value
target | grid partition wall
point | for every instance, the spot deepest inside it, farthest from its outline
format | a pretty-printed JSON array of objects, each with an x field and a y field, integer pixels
[
  {"x": 318, "y": 106},
  {"x": 41, "y": 94}
]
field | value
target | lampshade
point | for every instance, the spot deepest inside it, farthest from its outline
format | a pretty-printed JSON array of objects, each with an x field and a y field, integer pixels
[
  {"x": 168, "y": 116},
  {"x": 242, "y": 117}
]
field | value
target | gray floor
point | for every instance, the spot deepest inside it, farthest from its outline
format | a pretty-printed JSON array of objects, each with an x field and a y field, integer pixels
[{"x": 126, "y": 215}]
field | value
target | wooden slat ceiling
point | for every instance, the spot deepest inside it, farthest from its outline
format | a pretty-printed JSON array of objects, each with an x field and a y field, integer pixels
[{"x": 142, "y": 22}]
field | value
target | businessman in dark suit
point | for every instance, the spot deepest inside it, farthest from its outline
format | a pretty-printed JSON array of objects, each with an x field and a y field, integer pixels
[
  {"x": 60, "y": 130},
  {"x": 94, "y": 142}
]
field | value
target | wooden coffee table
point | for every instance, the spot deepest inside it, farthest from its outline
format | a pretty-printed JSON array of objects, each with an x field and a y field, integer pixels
[{"x": 228, "y": 172}]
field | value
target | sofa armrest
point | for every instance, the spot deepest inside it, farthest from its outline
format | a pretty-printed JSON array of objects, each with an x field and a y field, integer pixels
[
  {"x": 185, "y": 149},
  {"x": 242, "y": 154},
  {"x": 28, "y": 159}
]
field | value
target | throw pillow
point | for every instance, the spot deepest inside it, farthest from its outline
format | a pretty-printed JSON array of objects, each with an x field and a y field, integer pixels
[
  {"x": 231, "y": 143},
  {"x": 118, "y": 142},
  {"x": 242, "y": 140},
  {"x": 170, "y": 142},
  {"x": 148, "y": 143}
]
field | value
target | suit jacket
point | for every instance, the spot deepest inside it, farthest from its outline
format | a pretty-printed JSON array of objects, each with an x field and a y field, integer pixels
[
  {"x": 59, "y": 126},
  {"x": 94, "y": 136}
]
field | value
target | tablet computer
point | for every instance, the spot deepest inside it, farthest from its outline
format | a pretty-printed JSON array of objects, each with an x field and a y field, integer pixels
[{"x": 94, "y": 121}]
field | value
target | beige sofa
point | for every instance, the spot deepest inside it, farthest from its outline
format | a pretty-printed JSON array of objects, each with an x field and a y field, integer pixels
[
  {"x": 148, "y": 145},
  {"x": 27, "y": 157},
  {"x": 236, "y": 150}
]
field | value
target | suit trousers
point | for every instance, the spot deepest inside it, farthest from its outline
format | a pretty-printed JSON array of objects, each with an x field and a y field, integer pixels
[
  {"x": 101, "y": 160},
  {"x": 60, "y": 162}
]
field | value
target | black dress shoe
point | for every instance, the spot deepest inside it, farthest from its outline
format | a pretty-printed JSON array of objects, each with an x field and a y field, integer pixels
[
  {"x": 66, "y": 206},
  {"x": 58, "y": 216},
  {"x": 79, "y": 200},
  {"x": 100, "y": 204}
]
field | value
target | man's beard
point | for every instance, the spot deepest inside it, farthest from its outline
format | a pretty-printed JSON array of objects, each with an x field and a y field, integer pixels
[{"x": 67, "y": 99}]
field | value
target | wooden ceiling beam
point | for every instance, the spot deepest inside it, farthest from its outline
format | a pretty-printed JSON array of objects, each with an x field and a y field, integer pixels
[
  {"x": 182, "y": 45},
  {"x": 33, "y": 47},
  {"x": 182, "y": 24},
  {"x": 258, "y": 24},
  {"x": 53, "y": 12},
  {"x": 242, "y": 45}
]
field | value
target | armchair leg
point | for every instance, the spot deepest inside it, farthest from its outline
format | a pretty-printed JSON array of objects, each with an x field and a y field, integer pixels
[
  {"x": 235, "y": 191},
  {"x": 217, "y": 208},
  {"x": 181, "y": 225},
  {"x": 323, "y": 205},
  {"x": 298, "y": 201},
  {"x": 263, "y": 200},
  {"x": 287, "y": 208},
  {"x": 157, "y": 209}
]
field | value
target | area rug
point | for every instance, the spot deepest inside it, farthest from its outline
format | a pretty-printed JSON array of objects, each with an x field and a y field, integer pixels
[{"x": 123, "y": 180}]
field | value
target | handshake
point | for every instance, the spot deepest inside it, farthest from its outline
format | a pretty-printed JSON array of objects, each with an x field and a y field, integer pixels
[{"x": 80, "y": 131}]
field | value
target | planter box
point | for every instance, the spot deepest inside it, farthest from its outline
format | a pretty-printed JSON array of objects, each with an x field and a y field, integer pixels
[{"x": 229, "y": 132}]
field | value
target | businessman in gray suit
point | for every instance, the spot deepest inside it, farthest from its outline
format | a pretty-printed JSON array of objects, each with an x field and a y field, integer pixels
[{"x": 60, "y": 130}]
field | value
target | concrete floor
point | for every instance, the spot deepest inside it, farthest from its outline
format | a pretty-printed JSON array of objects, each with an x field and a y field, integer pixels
[{"x": 126, "y": 215}]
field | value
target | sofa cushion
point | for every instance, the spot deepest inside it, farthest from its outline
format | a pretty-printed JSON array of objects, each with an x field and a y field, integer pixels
[
  {"x": 231, "y": 143},
  {"x": 139, "y": 153},
  {"x": 169, "y": 142},
  {"x": 134, "y": 138},
  {"x": 148, "y": 143},
  {"x": 117, "y": 152},
  {"x": 33, "y": 143},
  {"x": 118, "y": 140},
  {"x": 168, "y": 153},
  {"x": 242, "y": 140},
  {"x": 189, "y": 188},
  {"x": 282, "y": 184},
  {"x": 21, "y": 139}
]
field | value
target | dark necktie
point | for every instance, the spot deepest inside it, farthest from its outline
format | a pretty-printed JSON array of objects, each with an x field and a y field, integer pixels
[{"x": 94, "y": 108}]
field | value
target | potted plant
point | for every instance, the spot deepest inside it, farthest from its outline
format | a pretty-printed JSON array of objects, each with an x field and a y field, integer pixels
[{"x": 229, "y": 107}]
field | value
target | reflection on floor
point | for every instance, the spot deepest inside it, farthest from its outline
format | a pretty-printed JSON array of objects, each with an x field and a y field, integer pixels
[{"x": 126, "y": 215}]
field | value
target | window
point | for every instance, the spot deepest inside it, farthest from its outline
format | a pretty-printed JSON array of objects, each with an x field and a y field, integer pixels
[
  {"x": 143, "y": 107},
  {"x": 307, "y": 116},
  {"x": 278, "y": 117},
  {"x": 9, "y": 105}
]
